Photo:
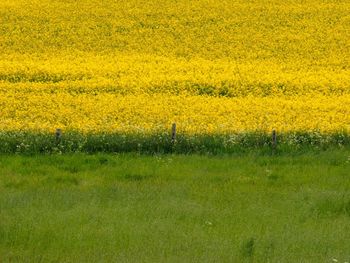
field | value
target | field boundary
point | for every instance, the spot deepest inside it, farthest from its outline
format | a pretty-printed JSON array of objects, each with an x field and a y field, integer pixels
[{"x": 166, "y": 142}]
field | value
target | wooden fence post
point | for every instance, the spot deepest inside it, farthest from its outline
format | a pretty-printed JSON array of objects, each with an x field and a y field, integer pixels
[
  {"x": 274, "y": 139},
  {"x": 173, "y": 133},
  {"x": 58, "y": 135}
]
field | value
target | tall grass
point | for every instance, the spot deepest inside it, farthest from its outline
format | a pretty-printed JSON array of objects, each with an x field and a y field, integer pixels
[
  {"x": 175, "y": 208},
  {"x": 31, "y": 143}
]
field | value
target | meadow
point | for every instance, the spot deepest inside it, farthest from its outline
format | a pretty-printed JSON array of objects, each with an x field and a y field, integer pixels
[
  {"x": 175, "y": 208},
  {"x": 115, "y": 186},
  {"x": 213, "y": 67}
]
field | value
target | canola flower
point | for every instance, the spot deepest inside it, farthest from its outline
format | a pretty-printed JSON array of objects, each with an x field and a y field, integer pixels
[
  {"x": 194, "y": 114},
  {"x": 211, "y": 66}
]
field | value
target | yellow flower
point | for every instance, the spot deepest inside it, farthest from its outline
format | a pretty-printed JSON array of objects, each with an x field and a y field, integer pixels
[{"x": 139, "y": 66}]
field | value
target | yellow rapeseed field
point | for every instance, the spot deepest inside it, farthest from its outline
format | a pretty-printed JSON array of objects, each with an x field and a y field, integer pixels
[{"x": 210, "y": 66}]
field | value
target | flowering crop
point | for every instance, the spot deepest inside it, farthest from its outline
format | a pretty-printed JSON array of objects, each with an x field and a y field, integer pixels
[{"x": 213, "y": 67}]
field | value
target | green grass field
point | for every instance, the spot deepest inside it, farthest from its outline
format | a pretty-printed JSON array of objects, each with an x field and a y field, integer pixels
[{"x": 175, "y": 208}]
